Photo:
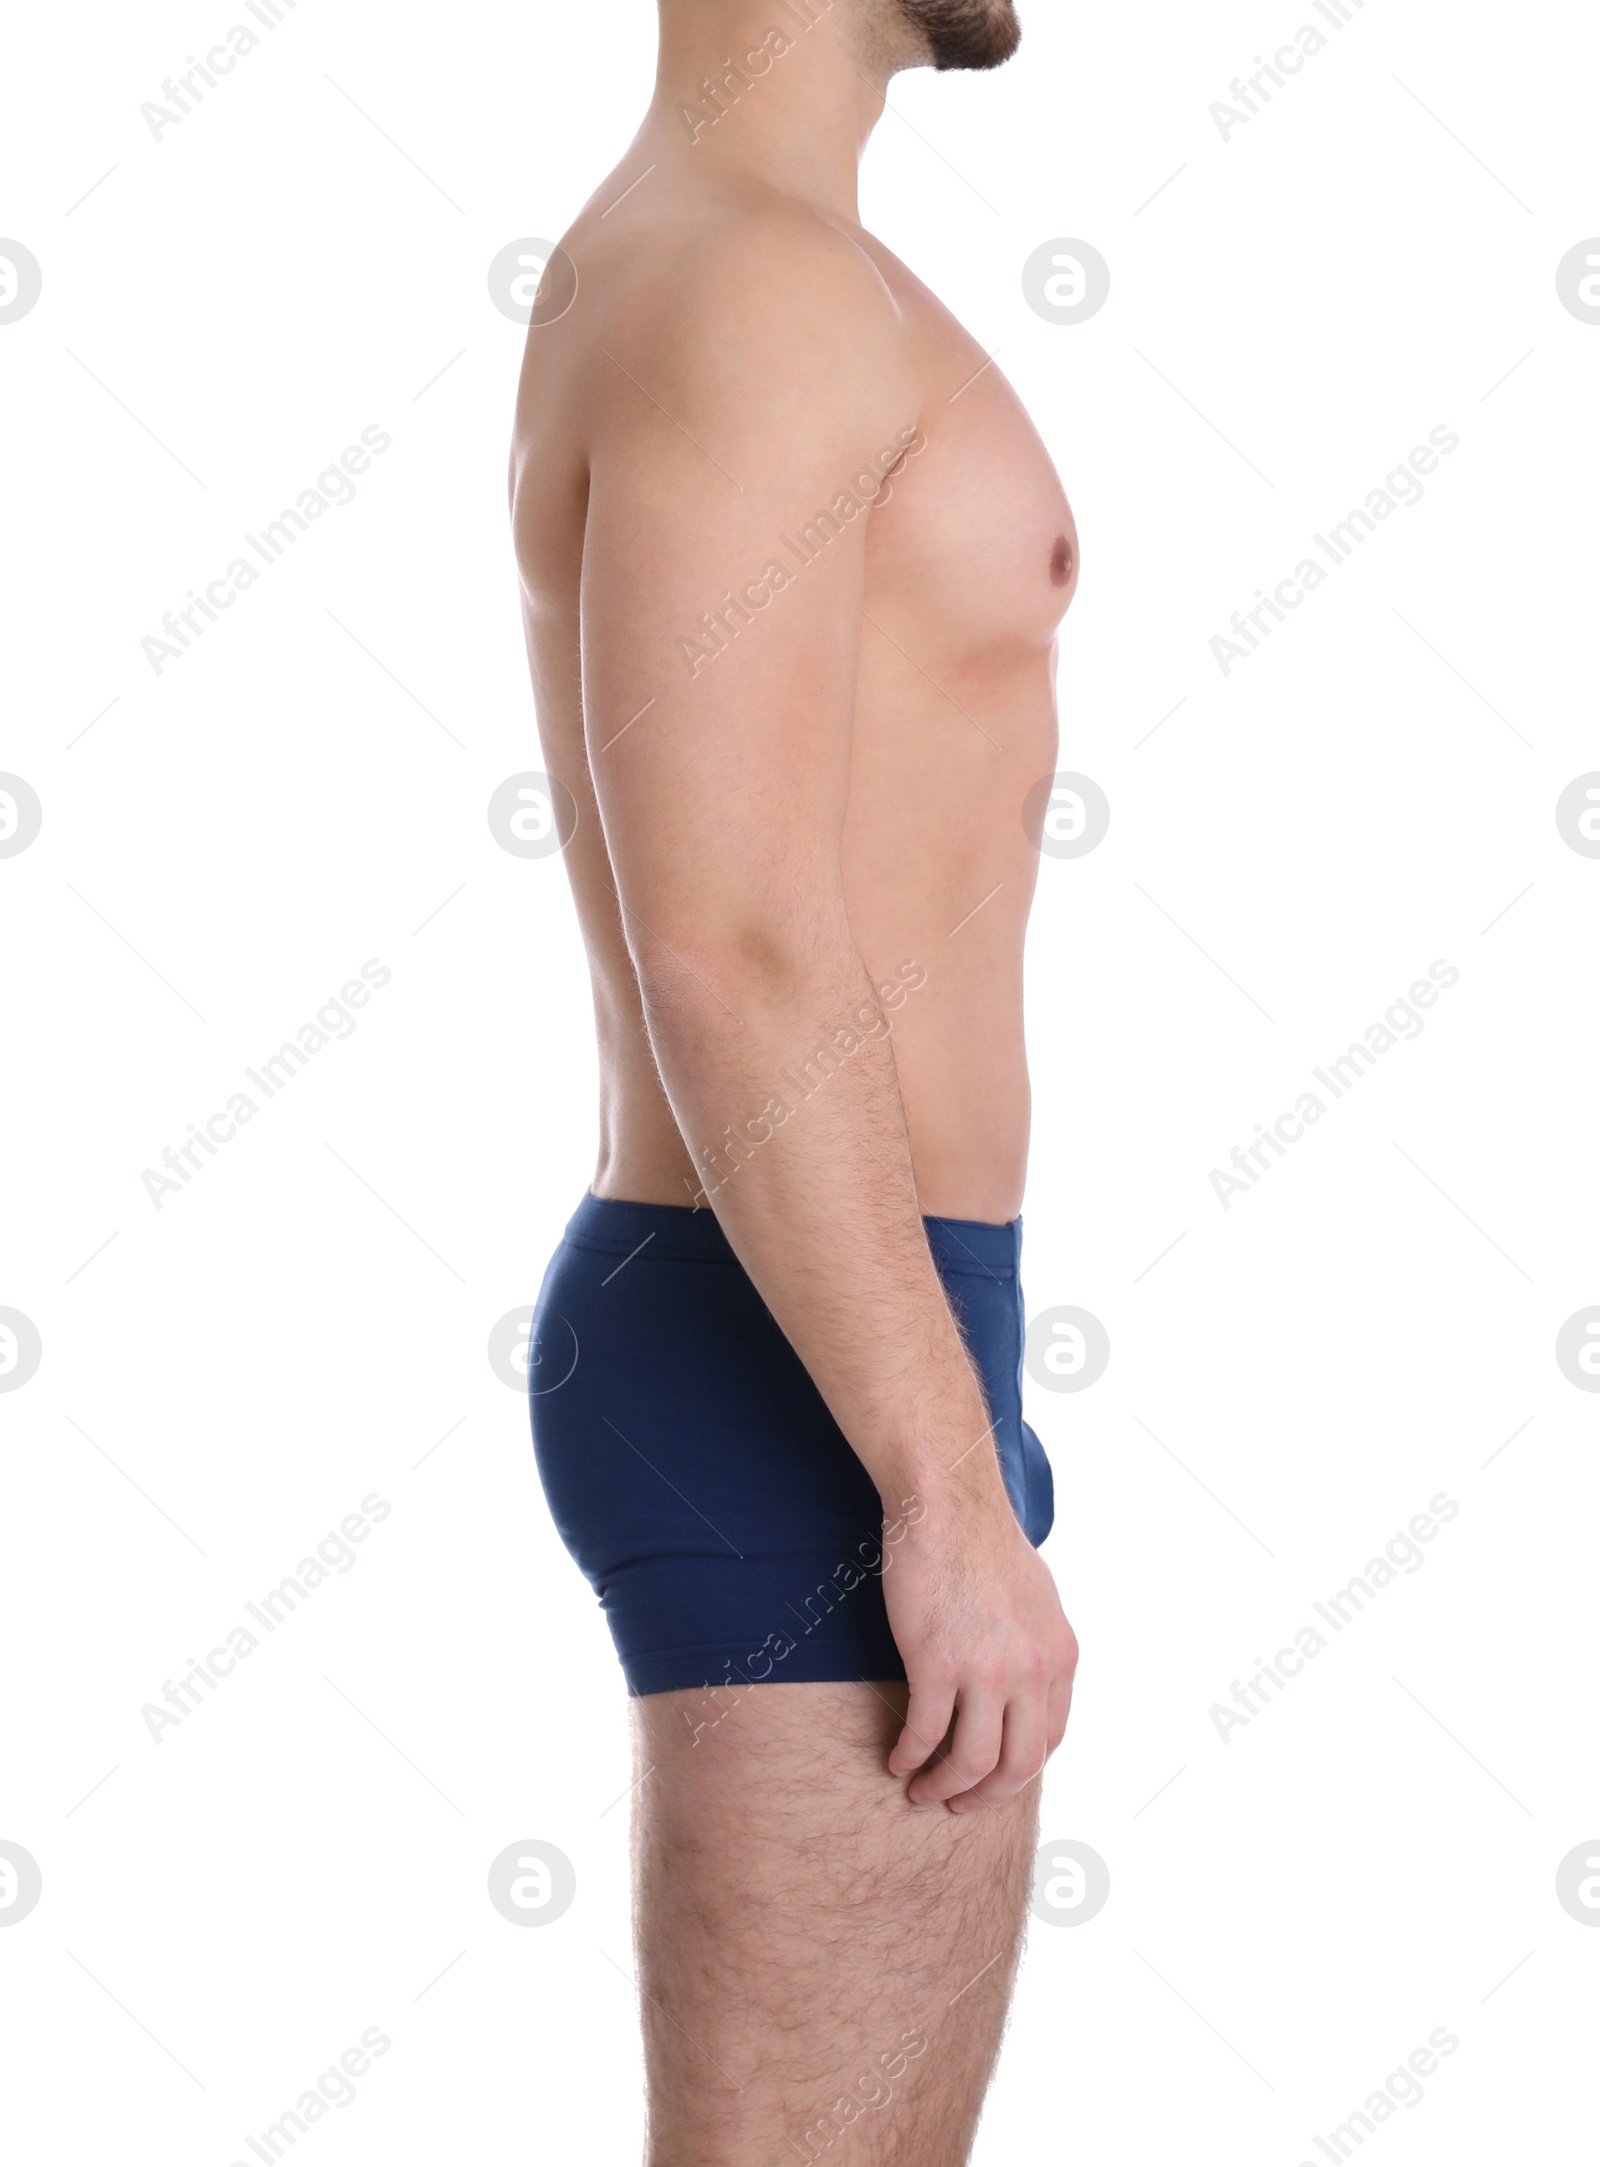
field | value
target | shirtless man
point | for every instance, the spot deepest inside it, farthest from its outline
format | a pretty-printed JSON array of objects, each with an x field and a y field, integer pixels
[{"x": 793, "y": 560}]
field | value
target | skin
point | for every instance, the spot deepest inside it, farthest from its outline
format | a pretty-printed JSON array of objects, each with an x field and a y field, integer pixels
[
  {"x": 824, "y": 1968},
  {"x": 795, "y": 790}
]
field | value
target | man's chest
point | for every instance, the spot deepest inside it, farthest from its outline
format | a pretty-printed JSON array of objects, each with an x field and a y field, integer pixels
[{"x": 974, "y": 534}]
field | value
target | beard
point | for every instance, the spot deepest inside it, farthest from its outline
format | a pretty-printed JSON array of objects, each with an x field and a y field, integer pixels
[{"x": 964, "y": 33}]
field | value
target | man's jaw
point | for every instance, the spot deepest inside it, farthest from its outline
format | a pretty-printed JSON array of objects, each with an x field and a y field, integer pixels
[{"x": 961, "y": 33}]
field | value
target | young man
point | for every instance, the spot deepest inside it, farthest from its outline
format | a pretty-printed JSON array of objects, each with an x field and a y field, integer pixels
[{"x": 793, "y": 560}]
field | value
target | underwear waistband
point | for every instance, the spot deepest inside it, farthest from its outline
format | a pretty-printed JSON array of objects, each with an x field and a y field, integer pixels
[{"x": 680, "y": 1231}]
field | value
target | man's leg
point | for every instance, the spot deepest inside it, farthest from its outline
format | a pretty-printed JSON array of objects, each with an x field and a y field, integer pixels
[{"x": 824, "y": 1968}]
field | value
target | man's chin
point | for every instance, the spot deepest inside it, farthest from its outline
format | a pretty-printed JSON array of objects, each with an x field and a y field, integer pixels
[{"x": 969, "y": 34}]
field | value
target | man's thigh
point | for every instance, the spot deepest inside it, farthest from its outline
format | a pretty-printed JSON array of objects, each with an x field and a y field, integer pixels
[{"x": 824, "y": 1969}]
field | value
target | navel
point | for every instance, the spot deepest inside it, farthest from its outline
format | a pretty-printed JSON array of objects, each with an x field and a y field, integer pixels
[{"x": 1061, "y": 562}]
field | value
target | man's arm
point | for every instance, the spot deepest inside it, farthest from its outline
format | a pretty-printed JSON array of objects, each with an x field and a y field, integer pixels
[{"x": 771, "y": 386}]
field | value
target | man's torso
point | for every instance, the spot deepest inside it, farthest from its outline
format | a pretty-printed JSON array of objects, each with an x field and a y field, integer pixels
[{"x": 970, "y": 562}]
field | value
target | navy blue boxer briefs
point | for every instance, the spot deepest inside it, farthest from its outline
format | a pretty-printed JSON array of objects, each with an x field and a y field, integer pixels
[{"x": 693, "y": 1470}]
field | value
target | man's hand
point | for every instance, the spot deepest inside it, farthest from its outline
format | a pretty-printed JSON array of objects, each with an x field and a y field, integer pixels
[{"x": 978, "y": 1623}]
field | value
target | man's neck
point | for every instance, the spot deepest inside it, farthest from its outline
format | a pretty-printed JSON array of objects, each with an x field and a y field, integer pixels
[{"x": 780, "y": 92}]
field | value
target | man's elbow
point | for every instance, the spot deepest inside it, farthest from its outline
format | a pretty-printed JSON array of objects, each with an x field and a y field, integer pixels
[{"x": 699, "y": 974}]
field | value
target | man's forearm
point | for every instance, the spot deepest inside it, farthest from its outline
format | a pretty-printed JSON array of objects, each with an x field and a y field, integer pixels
[{"x": 783, "y": 1084}]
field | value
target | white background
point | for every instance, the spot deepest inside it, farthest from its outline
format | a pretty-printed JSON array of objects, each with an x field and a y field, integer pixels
[{"x": 224, "y": 1912}]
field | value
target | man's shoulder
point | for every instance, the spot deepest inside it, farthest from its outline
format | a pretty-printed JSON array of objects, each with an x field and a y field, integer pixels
[{"x": 730, "y": 283}]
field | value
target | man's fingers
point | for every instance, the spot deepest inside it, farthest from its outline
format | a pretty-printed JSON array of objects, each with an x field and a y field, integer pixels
[
  {"x": 974, "y": 1749},
  {"x": 1023, "y": 1752},
  {"x": 928, "y": 1714}
]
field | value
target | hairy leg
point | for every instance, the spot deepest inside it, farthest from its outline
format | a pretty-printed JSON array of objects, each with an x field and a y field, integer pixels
[{"x": 824, "y": 1968}]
